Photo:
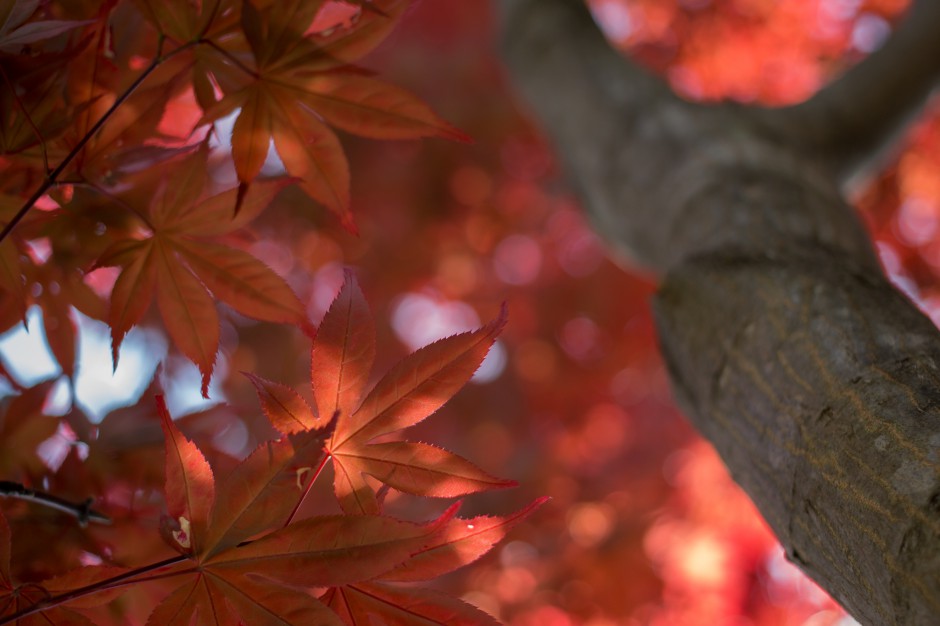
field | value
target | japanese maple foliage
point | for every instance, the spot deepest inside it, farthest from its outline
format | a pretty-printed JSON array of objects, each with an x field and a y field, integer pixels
[
  {"x": 243, "y": 558},
  {"x": 184, "y": 177},
  {"x": 100, "y": 172}
]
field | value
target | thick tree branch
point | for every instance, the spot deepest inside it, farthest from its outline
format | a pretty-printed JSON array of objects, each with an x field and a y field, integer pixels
[
  {"x": 818, "y": 383},
  {"x": 639, "y": 156},
  {"x": 858, "y": 115}
]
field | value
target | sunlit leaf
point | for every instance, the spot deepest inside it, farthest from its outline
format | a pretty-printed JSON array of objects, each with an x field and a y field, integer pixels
[
  {"x": 377, "y": 603},
  {"x": 287, "y": 410},
  {"x": 341, "y": 360},
  {"x": 190, "y": 486},
  {"x": 343, "y": 352},
  {"x": 417, "y": 468},
  {"x": 419, "y": 385},
  {"x": 329, "y": 550},
  {"x": 461, "y": 542},
  {"x": 264, "y": 488}
]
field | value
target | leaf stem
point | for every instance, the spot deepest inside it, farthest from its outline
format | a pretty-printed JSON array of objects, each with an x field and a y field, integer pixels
[{"x": 52, "y": 176}]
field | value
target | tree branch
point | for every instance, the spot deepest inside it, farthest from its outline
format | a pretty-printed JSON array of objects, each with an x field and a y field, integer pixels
[
  {"x": 859, "y": 115},
  {"x": 817, "y": 382},
  {"x": 82, "y": 512},
  {"x": 638, "y": 156}
]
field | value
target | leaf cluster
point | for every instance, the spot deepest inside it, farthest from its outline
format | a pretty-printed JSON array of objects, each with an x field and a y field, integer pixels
[
  {"x": 101, "y": 170},
  {"x": 97, "y": 166}
]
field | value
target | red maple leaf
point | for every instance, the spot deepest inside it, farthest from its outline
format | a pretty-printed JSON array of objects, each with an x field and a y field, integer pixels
[{"x": 341, "y": 362}]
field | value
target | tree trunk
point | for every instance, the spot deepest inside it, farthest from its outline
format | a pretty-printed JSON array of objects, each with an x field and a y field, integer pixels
[{"x": 816, "y": 380}]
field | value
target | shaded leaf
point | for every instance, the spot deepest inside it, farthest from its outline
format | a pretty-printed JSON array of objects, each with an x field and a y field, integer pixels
[
  {"x": 188, "y": 312},
  {"x": 215, "y": 215},
  {"x": 13, "y": 41},
  {"x": 23, "y": 426},
  {"x": 301, "y": 78},
  {"x": 14, "y": 13},
  {"x": 181, "y": 19},
  {"x": 61, "y": 329},
  {"x": 133, "y": 290},
  {"x": 251, "y": 134},
  {"x": 6, "y": 581},
  {"x": 198, "y": 598},
  {"x": 168, "y": 260},
  {"x": 86, "y": 576},
  {"x": 243, "y": 282},
  {"x": 11, "y": 275},
  {"x": 312, "y": 153},
  {"x": 365, "y": 106},
  {"x": 258, "y": 602}
]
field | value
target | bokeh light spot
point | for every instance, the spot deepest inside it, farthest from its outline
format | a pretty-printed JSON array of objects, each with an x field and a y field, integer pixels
[
  {"x": 579, "y": 338},
  {"x": 917, "y": 221},
  {"x": 517, "y": 260},
  {"x": 418, "y": 319},
  {"x": 590, "y": 523},
  {"x": 614, "y": 19},
  {"x": 869, "y": 33},
  {"x": 515, "y": 584}
]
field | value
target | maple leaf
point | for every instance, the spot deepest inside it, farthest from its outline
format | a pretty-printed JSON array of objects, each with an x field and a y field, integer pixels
[
  {"x": 226, "y": 580},
  {"x": 376, "y": 603},
  {"x": 15, "y": 33},
  {"x": 23, "y": 426},
  {"x": 299, "y": 83},
  {"x": 461, "y": 541},
  {"x": 182, "y": 20},
  {"x": 15, "y": 598},
  {"x": 190, "y": 486},
  {"x": 11, "y": 266},
  {"x": 341, "y": 361},
  {"x": 181, "y": 264}
]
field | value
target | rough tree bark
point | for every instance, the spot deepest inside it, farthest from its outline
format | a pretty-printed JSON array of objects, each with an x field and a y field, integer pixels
[{"x": 818, "y": 383}]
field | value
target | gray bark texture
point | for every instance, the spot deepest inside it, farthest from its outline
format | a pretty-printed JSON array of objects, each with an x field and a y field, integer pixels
[{"x": 816, "y": 380}]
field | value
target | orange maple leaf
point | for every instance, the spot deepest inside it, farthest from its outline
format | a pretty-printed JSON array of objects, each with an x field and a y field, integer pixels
[
  {"x": 341, "y": 361},
  {"x": 296, "y": 84},
  {"x": 228, "y": 579}
]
